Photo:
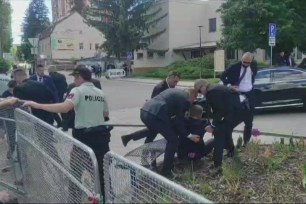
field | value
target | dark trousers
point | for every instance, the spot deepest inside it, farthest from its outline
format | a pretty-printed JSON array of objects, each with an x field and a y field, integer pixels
[
  {"x": 223, "y": 136},
  {"x": 57, "y": 118},
  {"x": 155, "y": 126},
  {"x": 139, "y": 134},
  {"x": 201, "y": 149},
  {"x": 248, "y": 116},
  {"x": 99, "y": 142}
]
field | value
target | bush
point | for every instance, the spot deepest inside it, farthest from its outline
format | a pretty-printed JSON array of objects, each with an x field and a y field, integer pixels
[
  {"x": 5, "y": 66},
  {"x": 189, "y": 69}
]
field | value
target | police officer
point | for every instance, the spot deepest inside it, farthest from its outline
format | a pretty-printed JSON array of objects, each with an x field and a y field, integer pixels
[{"x": 91, "y": 111}]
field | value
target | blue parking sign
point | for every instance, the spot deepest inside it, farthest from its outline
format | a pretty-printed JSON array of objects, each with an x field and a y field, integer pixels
[
  {"x": 129, "y": 55},
  {"x": 272, "y": 30}
]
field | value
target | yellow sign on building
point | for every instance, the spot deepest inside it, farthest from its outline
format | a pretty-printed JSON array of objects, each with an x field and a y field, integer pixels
[{"x": 63, "y": 43}]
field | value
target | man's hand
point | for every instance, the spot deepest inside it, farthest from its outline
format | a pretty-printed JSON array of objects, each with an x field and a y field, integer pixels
[
  {"x": 195, "y": 138},
  {"x": 209, "y": 129},
  {"x": 235, "y": 88},
  {"x": 32, "y": 104}
]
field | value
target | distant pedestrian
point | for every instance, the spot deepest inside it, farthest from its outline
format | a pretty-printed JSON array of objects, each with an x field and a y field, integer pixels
[
  {"x": 302, "y": 64},
  {"x": 281, "y": 59}
]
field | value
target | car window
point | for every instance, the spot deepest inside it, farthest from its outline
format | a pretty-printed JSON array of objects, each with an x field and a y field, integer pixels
[
  {"x": 288, "y": 74},
  {"x": 262, "y": 77}
]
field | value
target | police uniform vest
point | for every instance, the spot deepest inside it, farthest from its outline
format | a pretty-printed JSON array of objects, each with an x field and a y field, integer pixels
[{"x": 89, "y": 105}]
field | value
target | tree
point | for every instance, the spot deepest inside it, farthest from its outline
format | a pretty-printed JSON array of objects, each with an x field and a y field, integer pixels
[
  {"x": 35, "y": 21},
  {"x": 245, "y": 24},
  {"x": 5, "y": 27},
  {"x": 125, "y": 23}
]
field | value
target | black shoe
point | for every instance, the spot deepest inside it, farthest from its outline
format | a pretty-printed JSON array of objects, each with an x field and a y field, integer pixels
[
  {"x": 125, "y": 139},
  {"x": 214, "y": 170},
  {"x": 231, "y": 153},
  {"x": 168, "y": 174}
]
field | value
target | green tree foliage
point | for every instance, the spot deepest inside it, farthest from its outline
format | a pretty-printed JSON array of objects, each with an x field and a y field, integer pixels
[
  {"x": 4, "y": 66},
  {"x": 5, "y": 25},
  {"x": 125, "y": 23},
  {"x": 36, "y": 20},
  {"x": 245, "y": 24}
]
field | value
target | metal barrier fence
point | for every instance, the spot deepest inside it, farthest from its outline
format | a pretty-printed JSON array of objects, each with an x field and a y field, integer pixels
[
  {"x": 127, "y": 182},
  {"x": 10, "y": 172},
  {"x": 55, "y": 167}
]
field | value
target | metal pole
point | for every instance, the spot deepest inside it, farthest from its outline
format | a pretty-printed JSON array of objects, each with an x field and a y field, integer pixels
[
  {"x": 200, "y": 29},
  {"x": 271, "y": 56}
]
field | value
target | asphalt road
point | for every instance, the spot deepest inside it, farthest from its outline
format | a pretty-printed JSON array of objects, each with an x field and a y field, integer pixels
[{"x": 126, "y": 98}]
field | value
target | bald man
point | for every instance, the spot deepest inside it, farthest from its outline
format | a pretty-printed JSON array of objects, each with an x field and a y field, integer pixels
[{"x": 241, "y": 77}]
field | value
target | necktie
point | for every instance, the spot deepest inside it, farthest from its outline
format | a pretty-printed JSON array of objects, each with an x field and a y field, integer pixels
[{"x": 40, "y": 79}]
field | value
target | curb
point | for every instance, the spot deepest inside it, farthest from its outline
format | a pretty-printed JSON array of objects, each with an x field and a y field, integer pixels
[{"x": 147, "y": 82}]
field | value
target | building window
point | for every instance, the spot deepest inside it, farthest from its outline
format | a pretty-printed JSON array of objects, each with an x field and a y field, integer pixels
[
  {"x": 97, "y": 46},
  {"x": 81, "y": 46},
  {"x": 90, "y": 46},
  {"x": 212, "y": 25},
  {"x": 139, "y": 55},
  {"x": 161, "y": 54},
  {"x": 150, "y": 55}
]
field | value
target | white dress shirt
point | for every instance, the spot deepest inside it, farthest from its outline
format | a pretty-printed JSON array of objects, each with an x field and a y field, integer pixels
[{"x": 246, "y": 82}]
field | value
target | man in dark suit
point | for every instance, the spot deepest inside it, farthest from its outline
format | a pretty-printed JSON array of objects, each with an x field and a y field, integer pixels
[
  {"x": 170, "y": 82},
  {"x": 46, "y": 80},
  {"x": 165, "y": 114},
  {"x": 241, "y": 77},
  {"x": 281, "y": 59},
  {"x": 68, "y": 118},
  {"x": 34, "y": 91},
  {"x": 31, "y": 90},
  {"x": 227, "y": 113},
  {"x": 60, "y": 83}
]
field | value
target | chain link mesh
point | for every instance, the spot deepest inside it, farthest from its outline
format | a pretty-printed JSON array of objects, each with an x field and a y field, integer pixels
[
  {"x": 56, "y": 168},
  {"x": 10, "y": 172},
  {"x": 146, "y": 154},
  {"x": 128, "y": 182}
]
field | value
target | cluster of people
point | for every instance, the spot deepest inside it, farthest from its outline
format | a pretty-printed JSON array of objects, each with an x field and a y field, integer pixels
[
  {"x": 285, "y": 59},
  {"x": 227, "y": 105}
]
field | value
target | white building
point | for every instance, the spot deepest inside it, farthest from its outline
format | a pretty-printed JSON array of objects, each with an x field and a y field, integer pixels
[
  {"x": 181, "y": 39},
  {"x": 70, "y": 38}
]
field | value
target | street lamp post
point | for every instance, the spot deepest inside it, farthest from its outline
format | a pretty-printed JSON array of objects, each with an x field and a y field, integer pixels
[{"x": 200, "y": 29}]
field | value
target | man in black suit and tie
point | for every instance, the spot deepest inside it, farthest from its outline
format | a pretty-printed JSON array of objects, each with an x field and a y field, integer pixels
[
  {"x": 170, "y": 82},
  {"x": 46, "y": 80},
  {"x": 226, "y": 114},
  {"x": 165, "y": 114},
  {"x": 241, "y": 77}
]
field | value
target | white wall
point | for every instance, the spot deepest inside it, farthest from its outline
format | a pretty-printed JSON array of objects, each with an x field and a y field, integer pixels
[
  {"x": 75, "y": 28},
  {"x": 44, "y": 47}
]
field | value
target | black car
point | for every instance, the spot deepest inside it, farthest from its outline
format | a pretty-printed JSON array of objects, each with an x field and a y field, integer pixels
[
  {"x": 280, "y": 87},
  {"x": 277, "y": 87}
]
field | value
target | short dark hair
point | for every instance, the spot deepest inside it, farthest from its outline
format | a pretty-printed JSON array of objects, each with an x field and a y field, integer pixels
[
  {"x": 82, "y": 71},
  {"x": 196, "y": 111},
  {"x": 174, "y": 73},
  {"x": 12, "y": 84},
  {"x": 40, "y": 66}
]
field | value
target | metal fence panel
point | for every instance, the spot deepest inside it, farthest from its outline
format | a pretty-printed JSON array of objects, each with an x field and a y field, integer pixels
[
  {"x": 128, "y": 182},
  {"x": 10, "y": 172},
  {"x": 56, "y": 168}
]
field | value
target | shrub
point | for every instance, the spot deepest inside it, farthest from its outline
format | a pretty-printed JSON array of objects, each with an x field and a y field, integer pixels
[
  {"x": 5, "y": 66},
  {"x": 189, "y": 69}
]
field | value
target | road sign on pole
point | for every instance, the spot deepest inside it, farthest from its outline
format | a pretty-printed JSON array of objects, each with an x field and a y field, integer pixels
[
  {"x": 272, "y": 38},
  {"x": 33, "y": 41}
]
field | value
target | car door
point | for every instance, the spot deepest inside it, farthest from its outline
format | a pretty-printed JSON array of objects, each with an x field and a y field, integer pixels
[
  {"x": 262, "y": 86},
  {"x": 287, "y": 86}
]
